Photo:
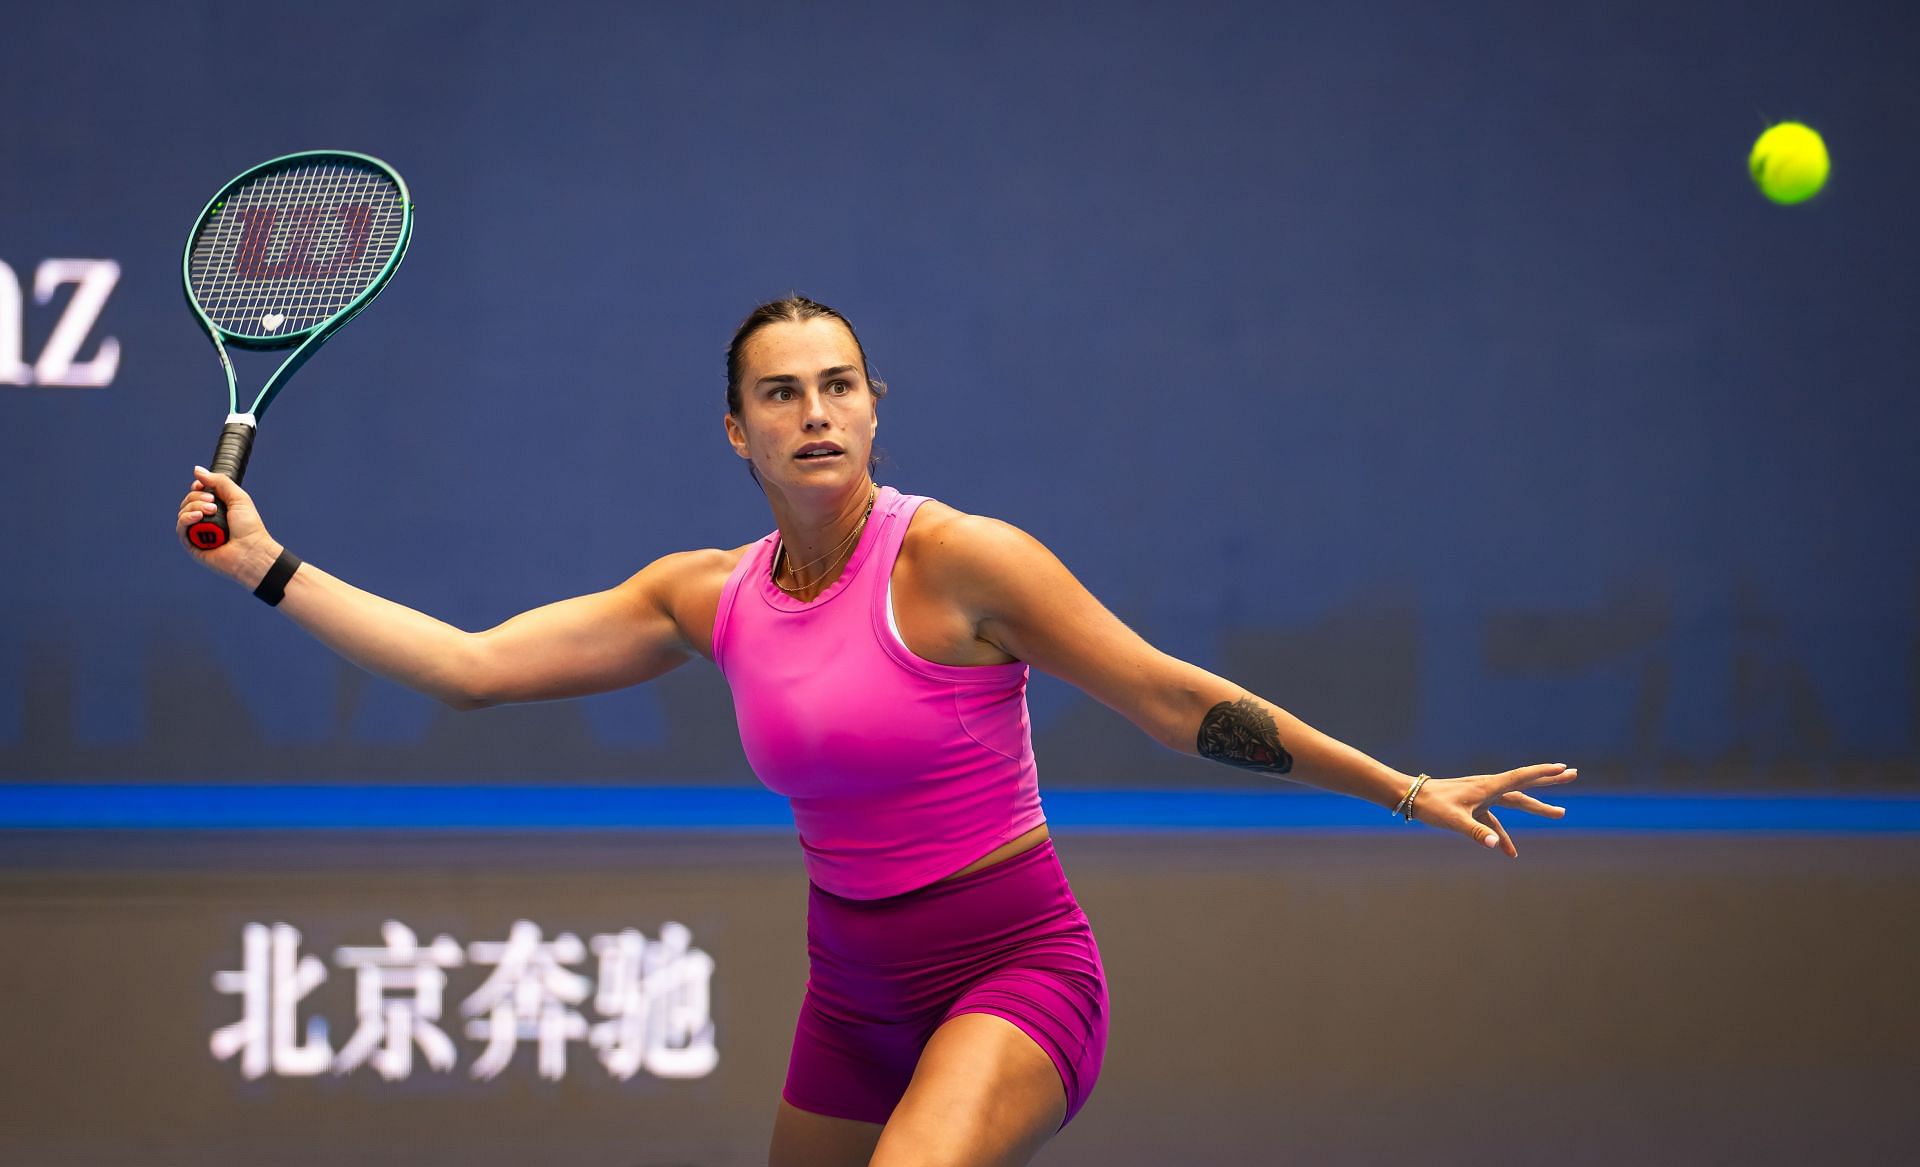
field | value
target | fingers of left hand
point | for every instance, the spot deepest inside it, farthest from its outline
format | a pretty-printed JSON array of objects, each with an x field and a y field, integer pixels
[
  {"x": 1485, "y": 817},
  {"x": 1531, "y": 805},
  {"x": 1566, "y": 775}
]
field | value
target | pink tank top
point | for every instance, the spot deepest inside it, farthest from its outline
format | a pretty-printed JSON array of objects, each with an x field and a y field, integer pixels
[{"x": 900, "y": 771}]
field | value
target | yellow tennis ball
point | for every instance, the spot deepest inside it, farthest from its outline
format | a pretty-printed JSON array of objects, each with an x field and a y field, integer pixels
[{"x": 1789, "y": 163}]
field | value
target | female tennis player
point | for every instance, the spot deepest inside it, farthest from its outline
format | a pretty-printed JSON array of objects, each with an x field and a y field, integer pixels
[{"x": 877, "y": 646}]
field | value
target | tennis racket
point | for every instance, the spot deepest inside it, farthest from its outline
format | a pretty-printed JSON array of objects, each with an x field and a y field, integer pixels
[{"x": 281, "y": 258}]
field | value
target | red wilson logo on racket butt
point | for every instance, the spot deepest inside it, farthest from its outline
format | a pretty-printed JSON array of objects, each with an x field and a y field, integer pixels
[{"x": 304, "y": 224}]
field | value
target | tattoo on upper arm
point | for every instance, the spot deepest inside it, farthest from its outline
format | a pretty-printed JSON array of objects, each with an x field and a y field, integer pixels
[{"x": 1240, "y": 733}]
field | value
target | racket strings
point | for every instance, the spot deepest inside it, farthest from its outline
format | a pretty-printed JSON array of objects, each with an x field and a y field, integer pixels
[{"x": 293, "y": 247}]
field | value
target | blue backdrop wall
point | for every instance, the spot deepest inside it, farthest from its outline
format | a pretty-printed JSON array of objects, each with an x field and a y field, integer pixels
[{"x": 1436, "y": 373}]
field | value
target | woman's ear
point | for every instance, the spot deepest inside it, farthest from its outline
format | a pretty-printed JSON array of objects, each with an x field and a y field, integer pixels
[{"x": 736, "y": 435}]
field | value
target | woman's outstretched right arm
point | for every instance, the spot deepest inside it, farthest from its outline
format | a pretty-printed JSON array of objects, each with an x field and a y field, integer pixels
[{"x": 588, "y": 644}]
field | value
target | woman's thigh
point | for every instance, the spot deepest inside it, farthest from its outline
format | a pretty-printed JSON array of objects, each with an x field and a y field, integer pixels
[{"x": 802, "y": 1138}]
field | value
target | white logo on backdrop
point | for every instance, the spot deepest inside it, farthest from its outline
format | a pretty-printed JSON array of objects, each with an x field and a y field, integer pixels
[
  {"x": 93, "y": 281},
  {"x": 654, "y": 999}
]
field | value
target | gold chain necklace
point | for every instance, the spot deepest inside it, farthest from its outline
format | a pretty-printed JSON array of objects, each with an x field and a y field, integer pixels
[{"x": 853, "y": 536}]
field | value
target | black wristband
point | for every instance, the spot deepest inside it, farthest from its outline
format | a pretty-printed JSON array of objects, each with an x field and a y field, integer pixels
[{"x": 273, "y": 588}]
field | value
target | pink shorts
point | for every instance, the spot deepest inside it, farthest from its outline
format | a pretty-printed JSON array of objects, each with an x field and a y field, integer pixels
[{"x": 884, "y": 974}]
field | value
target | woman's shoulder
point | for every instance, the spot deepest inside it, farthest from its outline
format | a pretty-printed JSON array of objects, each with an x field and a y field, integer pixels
[
  {"x": 688, "y": 586},
  {"x": 938, "y": 584},
  {"x": 701, "y": 567},
  {"x": 931, "y": 527},
  {"x": 935, "y": 522},
  {"x": 942, "y": 537}
]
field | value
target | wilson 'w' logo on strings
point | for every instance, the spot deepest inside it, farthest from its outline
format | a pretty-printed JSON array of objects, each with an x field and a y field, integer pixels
[{"x": 301, "y": 227}]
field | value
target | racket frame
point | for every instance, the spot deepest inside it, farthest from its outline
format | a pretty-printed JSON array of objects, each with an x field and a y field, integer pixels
[{"x": 308, "y": 339}]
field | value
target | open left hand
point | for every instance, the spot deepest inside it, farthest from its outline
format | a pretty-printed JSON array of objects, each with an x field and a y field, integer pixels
[{"x": 1466, "y": 804}]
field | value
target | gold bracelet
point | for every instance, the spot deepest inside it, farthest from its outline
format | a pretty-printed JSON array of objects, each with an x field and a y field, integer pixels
[
  {"x": 1416, "y": 793},
  {"x": 1401, "y": 806},
  {"x": 1405, "y": 809}
]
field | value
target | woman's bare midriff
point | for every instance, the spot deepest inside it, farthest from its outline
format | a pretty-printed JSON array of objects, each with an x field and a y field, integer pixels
[{"x": 1003, "y": 852}]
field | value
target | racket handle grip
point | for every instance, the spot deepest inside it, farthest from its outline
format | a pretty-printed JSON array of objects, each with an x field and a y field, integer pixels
[{"x": 230, "y": 456}]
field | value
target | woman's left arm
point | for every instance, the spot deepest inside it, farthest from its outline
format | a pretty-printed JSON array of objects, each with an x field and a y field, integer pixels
[{"x": 1023, "y": 599}]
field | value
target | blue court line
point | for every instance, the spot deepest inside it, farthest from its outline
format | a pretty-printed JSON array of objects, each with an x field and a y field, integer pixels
[{"x": 751, "y": 809}]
